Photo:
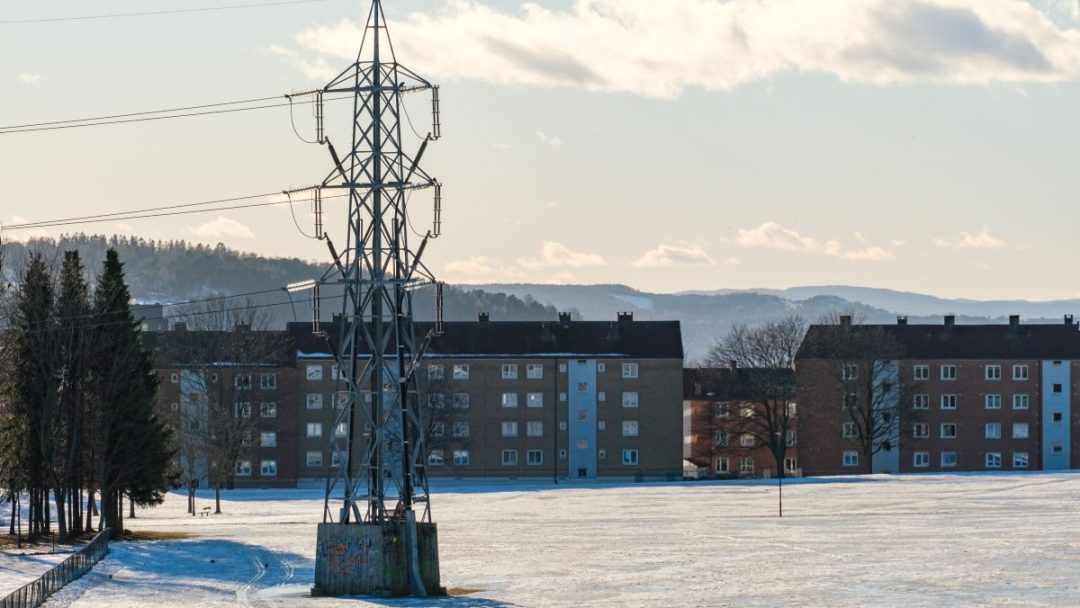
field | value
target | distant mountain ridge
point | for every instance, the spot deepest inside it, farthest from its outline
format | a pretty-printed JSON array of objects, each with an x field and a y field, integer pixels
[{"x": 176, "y": 271}]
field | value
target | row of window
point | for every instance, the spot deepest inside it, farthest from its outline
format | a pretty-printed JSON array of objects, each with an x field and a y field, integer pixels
[
  {"x": 267, "y": 381},
  {"x": 314, "y": 401},
  {"x": 990, "y": 402},
  {"x": 460, "y": 371},
  {"x": 992, "y": 460},
  {"x": 267, "y": 468},
  {"x": 722, "y": 439},
  {"x": 722, "y": 409},
  {"x": 315, "y": 430},
  {"x": 460, "y": 458},
  {"x": 948, "y": 372},
  {"x": 1020, "y": 430},
  {"x": 746, "y": 465}
]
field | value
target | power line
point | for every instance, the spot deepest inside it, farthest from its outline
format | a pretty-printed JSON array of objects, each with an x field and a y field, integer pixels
[
  {"x": 97, "y": 118},
  {"x": 155, "y": 13}
]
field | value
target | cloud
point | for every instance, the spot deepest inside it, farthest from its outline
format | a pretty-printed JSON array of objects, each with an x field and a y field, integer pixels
[
  {"x": 557, "y": 255},
  {"x": 668, "y": 256},
  {"x": 772, "y": 235},
  {"x": 660, "y": 49},
  {"x": 125, "y": 228},
  {"x": 979, "y": 239},
  {"x": 866, "y": 254},
  {"x": 551, "y": 140},
  {"x": 223, "y": 227},
  {"x": 33, "y": 80},
  {"x": 316, "y": 68}
]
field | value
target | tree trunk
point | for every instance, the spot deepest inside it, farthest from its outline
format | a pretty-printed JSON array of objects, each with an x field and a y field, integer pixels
[
  {"x": 109, "y": 512},
  {"x": 131, "y": 507},
  {"x": 217, "y": 498},
  {"x": 14, "y": 507},
  {"x": 60, "y": 497},
  {"x": 120, "y": 512}
]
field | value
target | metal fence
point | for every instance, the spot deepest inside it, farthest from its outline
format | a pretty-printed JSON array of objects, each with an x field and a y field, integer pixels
[{"x": 34, "y": 593}]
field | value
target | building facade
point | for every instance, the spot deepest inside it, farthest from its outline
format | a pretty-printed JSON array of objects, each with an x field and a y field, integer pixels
[{"x": 951, "y": 398}]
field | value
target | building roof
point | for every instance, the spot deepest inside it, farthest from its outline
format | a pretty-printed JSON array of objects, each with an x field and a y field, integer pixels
[
  {"x": 951, "y": 341},
  {"x": 720, "y": 383},
  {"x": 238, "y": 348},
  {"x": 525, "y": 339}
]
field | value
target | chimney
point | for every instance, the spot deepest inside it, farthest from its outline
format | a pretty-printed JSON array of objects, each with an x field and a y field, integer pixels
[
  {"x": 732, "y": 364},
  {"x": 564, "y": 319},
  {"x": 180, "y": 327},
  {"x": 845, "y": 320},
  {"x": 1068, "y": 319},
  {"x": 1014, "y": 320},
  {"x": 950, "y": 320},
  {"x": 484, "y": 317},
  {"x": 901, "y": 320},
  {"x": 625, "y": 317},
  {"x": 336, "y": 318}
]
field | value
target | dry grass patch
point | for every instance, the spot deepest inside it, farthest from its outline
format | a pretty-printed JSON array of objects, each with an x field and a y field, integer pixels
[
  {"x": 148, "y": 535},
  {"x": 454, "y": 591}
]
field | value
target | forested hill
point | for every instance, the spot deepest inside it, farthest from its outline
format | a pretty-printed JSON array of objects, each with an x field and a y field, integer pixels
[{"x": 177, "y": 271}]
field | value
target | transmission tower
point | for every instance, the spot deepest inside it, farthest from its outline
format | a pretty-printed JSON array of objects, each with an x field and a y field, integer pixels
[{"x": 379, "y": 486}]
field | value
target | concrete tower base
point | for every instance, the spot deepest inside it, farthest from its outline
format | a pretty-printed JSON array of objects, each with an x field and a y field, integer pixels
[{"x": 372, "y": 559}]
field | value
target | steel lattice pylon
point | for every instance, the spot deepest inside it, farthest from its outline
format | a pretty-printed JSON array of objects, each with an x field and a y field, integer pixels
[{"x": 380, "y": 474}]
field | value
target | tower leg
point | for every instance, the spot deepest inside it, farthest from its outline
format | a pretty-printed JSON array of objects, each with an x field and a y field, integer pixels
[{"x": 373, "y": 559}]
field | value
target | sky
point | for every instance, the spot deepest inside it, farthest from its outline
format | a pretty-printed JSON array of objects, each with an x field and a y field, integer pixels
[{"x": 920, "y": 145}]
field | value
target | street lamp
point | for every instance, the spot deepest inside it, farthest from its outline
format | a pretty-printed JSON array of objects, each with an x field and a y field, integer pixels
[{"x": 780, "y": 475}]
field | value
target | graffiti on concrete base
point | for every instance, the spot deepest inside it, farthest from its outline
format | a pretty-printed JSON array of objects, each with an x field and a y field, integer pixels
[{"x": 350, "y": 555}]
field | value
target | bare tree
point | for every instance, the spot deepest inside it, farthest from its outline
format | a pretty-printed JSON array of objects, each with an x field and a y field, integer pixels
[
  {"x": 762, "y": 359},
  {"x": 223, "y": 353}
]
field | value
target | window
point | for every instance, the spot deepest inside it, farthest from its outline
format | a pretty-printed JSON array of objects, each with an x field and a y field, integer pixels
[
  {"x": 629, "y": 370},
  {"x": 461, "y": 458},
  {"x": 948, "y": 372},
  {"x": 920, "y": 372},
  {"x": 922, "y": 459},
  {"x": 314, "y": 459},
  {"x": 850, "y": 372},
  {"x": 509, "y": 429},
  {"x": 1020, "y": 460},
  {"x": 213, "y": 377},
  {"x": 630, "y": 456},
  {"x": 242, "y": 381},
  {"x": 582, "y": 387},
  {"x": 435, "y": 372},
  {"x": 268, "y": 468},
  {"x": 993, "y": 402},
  {"x": 790, "y": 409},
  {"x": 629, "y": 428},
  {"x": 314, "y": 372},
  {"x": 341, "y": 398},
  {"x": 562, "y": 454},
  {"x": 534, "y": 400},
  {"x": 461, "y": 372},
  {"x": 1057, "y": 416},
  {"x": 436, "y": 459},
  {"x": 746, "y": 465},
  {"x": 582, "y": 444},
  {"x": 534, "y": 428},
  {"x": 267, "y": 381},
  {"x": 562, "y": 425},
  {"x": 243, "y": 468},
  {"x": 920, "y": 430},
  {"x": 461, "y": 401},
  {"x": 721, "y": 438},
  {"x": 562, "y": 396},
  {"x": 630, "y": 399},
  {"x": 948, "y": 430},
  {"x": 174, "y": 406},
  {"x": 993, "y": 430},
  {"x": 562, "y": 368},
  {"x": 245, "y": 440},
  {"x": 849, "y": 430},
  {"x": 243, "y": 409},
  {"x": 1020, "y": 372},
  {"x": 746, "y": 411},
  {"x": 268, "y": 409},
  {"x": 601, "y": 425},
  {"x": 1020, "y": 430},
  {"x": 534, "y": 457},
  {"x": 314, "y": 429},
  {"x": 268, "y": 439},
  {"x": 1020, "y": 402},
  {"x": 534, "y": 371},
  {"x": 174, "y": 378},
  {"x": 509, "y": 457},
  {"x": 314, "y": 401},
  {"x": 461, "y": 429},
  {"x": 790, "y": 465},
  {"x": 921, "y": 402},
  {"x": 746, "y": 440},
  {"x": 948, "y": 459},
  {"x": 993, "y": 372},
  {"x": 721, "y": 409},
  {"x": 436, "y": 401},
  {"x": 341, "y": 430},
  {"x": 1057, "y": 388},
  {"x": 583, "y": 415},
  {"x": 722, "y": 465},
  {"x": 601, "y": 396},
  {"x": 1056, "y": 448},
  {"x": 851, "y": 458},
  {"x": 948, "y": 402},
  {"x": 790, "y": 437},
  {"x": 851, "y": 401},
  {"x": 335, "y": 372},
  {"x": 993, "y": 460},
  {"x": 335, "y": 460},
  {"x": 438, "y": 429},
  {"x": 509, "y": 371},
  {"x": 509, "y": 399},
  {"x": 601, "y": 368}
]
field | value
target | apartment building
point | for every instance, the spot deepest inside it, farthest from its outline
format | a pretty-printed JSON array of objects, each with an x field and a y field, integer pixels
[
  {"x": 718, "y": 439},
  {"x": 945, "y": 397},
  {"x": 581, "y": 399}
]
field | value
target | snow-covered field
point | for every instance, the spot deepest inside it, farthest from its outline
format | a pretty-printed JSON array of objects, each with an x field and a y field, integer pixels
[{"x": 911, "y": 541}]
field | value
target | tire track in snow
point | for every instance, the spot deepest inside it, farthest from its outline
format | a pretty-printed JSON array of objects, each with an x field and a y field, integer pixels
[{"x": 243, "y": 593}]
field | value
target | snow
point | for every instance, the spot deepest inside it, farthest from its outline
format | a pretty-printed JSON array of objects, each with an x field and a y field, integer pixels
[
  {"x": 911, "y": 541},
  {"x": 19, "y": 566}
]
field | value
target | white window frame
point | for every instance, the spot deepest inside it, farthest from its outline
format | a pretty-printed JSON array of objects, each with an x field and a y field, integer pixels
[
  {"x": 1020, "y": 372},
  {"x": 435, "y": 372},
  {"x": 268, "y": 409},
  {"x": 1021, "y": 460},
  {"x": 992, "y": 402},
  {"x": 630, "y": 428},
  {"x": 313, "y": 401},
  {"x": 721, "y": 438},
  {"x": 721, "y": 409},
  {"x": 509, "y": 371},
  {"x": 461, "y": 371},
  {"x": 1021, "y": 401},
  {"x": 461, "y": 458},
  {"x": 948, "y": 373},
  {"x": 948, "y": 401},
  {"x": 1021, "y": 430},
  {"x": 460, "y": 429},
  {"x": 268, "y": 381},
  {"x": 242, "y": 382},
  {"x": 268, "y": 468},
  {"x": 948, "y": 459},
  {"x": 941, "y": 430},
  {"x": 920, "y": 401},
  {"x": 630, "y": 399},
  {"x": 534, "y": 371},
  {"x": 747, "y": 440},
  {"x": 849, "y": 430},
  {"x": 436, "y": 458},
  {"x": 461, "y": 400},
  {"x": 271, "y": 435},
  {"x": 630, "y": 370},
  {"x": 314, "y": 372},
  {"x": 509, "y": 400},
  {"x": 992, "y": 460},
  {"x": 534, "y": 458},
  {"x": 921, "y": 460},
  {"x": 849, "y": 372},
  {"x": 509, "y": 458},
  {"x": 630, "y": 457},
  {"x": 509, "y": 428},
  {"x": 534, "y": 428},
  {"x": 747, "y": 464},
  {"x": 850, "y": 458},
  {"x": 992, "y": 373},
  {"x": 722, "y": 465},
  {"x": 924, "y": 427},
  {"x": 920, "y": 372},
  {"x": 992, "y": 430},
  {"x": 243, "y": 409},
  {"x": 243, "y": 468},
  {"x": 313, "y": 459},
  {"x": 534, "y": 400},
  {"x": 314, "y": 430}
]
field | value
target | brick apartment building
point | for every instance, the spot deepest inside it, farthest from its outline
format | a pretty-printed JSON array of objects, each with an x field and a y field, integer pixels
[
  {"x": 565, "y": 398},
  {"x": 715, "y": 442},
  {"x": 510, "y": 399},
  {"x": 967, "y": 398}
]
